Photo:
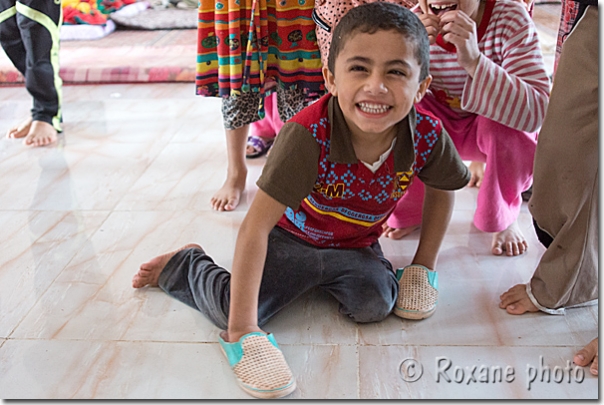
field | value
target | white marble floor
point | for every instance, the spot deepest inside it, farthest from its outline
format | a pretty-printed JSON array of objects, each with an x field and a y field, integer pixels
[{"x": 131, "y": 177}]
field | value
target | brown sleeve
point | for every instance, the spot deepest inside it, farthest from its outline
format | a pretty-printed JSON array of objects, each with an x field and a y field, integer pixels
[
  {"x": 291, "y": 169},
  {"x": 444, "y": 169}
]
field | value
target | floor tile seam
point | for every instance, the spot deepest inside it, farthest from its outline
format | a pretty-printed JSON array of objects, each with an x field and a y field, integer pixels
[
  {"x": 10, "y": 338},
  {"x": 472, "y": 346},
  {"x": 75, "y": 253},
  {"x": 205, "y": 342}
]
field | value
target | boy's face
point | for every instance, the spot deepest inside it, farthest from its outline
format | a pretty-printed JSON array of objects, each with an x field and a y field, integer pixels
[
  {"x": 440, "y": 7},
  {"x": 376, "y": 80}
]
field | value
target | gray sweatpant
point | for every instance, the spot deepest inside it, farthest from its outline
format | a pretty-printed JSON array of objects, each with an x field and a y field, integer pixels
[{"x": 362, "y": 280}]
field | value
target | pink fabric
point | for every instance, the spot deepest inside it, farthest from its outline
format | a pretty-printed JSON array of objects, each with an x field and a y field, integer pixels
[
  {"x": 508, "y": 154},
  {"x": 271, "y": 124}
]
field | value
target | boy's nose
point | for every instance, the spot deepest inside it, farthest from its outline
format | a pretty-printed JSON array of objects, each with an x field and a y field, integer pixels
[{"x": 375, "y": 85}]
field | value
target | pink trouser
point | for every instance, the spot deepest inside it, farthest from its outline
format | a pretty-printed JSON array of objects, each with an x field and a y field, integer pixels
[
  {"x": 271, "y": 124},
  {"x": 508, "y": 154}
]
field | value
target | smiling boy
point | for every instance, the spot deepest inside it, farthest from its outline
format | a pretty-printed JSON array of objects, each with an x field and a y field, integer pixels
[{"x": 333, "y": 177}]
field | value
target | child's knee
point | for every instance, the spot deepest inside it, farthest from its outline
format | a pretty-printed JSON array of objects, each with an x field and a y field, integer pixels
[
  {"x": 373, "y": 311},
  {"x": 373, "y": 304}
]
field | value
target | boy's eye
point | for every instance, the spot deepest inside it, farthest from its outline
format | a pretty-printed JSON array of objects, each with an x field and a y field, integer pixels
[
  {"x": 358, "y": 68},
  {"x": 398, "y": 72}
]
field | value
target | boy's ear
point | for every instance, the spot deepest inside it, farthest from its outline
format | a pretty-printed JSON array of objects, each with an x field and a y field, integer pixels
[
  {"x": 423, "y": 87},
  {"x": 329, "y": 81}
]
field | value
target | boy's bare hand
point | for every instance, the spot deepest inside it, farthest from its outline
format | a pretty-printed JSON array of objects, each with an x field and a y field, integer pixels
[
  {"x": 460, "y": 30},
  {"x": 432, "y": 24}
]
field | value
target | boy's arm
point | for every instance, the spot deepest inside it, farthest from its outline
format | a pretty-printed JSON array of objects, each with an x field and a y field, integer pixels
[
  {"x": 248, "y": 264},
  {"x": 438, "y": 207}
]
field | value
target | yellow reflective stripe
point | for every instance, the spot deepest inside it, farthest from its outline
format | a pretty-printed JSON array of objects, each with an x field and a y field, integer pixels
[
  {"x": 339, "y": 216},
  {"x": 8, "y": 13},
  {"x": 53, "y": 29}
]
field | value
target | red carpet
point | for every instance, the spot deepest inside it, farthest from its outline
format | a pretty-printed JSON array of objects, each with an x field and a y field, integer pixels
[{"x": 124, "y": 56}]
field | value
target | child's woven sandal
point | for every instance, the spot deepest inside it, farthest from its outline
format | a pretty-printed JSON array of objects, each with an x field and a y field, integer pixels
[
  {"x": 418, "y": 292},
  {"x": 259, "y": 365}
]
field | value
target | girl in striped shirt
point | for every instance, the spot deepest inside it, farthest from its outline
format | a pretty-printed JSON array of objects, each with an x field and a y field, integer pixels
[{"x": 490, "y": 89}]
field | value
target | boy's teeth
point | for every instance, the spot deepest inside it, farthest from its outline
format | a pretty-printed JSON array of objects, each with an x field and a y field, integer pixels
[{"x": 373, "y": 108}]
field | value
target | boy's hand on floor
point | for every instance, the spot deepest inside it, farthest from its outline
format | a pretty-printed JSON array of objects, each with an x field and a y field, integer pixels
[
  {"x": 432, "y": 24},
  {"x": 460, "y": 30}
]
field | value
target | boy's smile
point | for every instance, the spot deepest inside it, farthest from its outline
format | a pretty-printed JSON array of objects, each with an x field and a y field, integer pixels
[{"x": 376, "y": 80}]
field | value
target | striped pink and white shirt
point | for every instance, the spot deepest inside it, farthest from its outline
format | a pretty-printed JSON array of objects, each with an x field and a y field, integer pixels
[{"x": 510, "y": 85}]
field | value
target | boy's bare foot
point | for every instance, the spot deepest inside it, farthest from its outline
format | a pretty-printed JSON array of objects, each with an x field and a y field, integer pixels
[
  {"x": 510, "y": 240},
  {"x": 20, "y": 130},
  {"x": 149, "y": 272},
  {"x": 516, "y": 301},
  {"x": 588, "y": 355},
  {"x": 227, "y": 198},
  {"x": 477, "y": 172},
  {"x": 397, "y": 233},
  {"x": 40, "y": 134}
]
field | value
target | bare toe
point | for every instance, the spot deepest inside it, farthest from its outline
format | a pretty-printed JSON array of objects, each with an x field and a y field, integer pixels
[
  {"x": 516, "y": 301},
  {"x": 510, "y": 240},
  {"x": 227, "y": 198},
  {"x": 587, "y": 355},
  {"x": 148, "y": 273},
  {"x": 497, "y": 248},
  {"x": 20, "y": 130},
  {"x": 40, "y": 134}
]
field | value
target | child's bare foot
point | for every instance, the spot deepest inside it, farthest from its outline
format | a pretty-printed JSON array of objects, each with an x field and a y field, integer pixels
[
  {"x": 149, "y": 272},
  {"x": 397, "y": 233},
  {"x": 40, "y": 134},
  {"x": 516, "y": 301},
  {"x": 477, "y": 172},
  {"x": 588, "y": 355},
  {"x": 511, "y": 241},
  {"x": 20, "y": 130},
  {"x": 227, "y": 198}
]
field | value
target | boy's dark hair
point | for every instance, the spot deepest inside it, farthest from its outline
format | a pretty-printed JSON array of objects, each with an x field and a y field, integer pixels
[{"x": 381, "y": 16}]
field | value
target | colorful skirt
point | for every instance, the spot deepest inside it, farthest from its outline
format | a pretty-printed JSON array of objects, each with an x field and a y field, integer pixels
[{"x": 243, "y": 44}]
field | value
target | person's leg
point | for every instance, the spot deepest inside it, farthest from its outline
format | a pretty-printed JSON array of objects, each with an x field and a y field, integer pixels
[
  {"x": 565, "y": 194},
  {"x": 39, "y": 24},
  {"x": 290, "y": 102},
  {"x": 263, "y": 132},
  {"x": 237, "y": 113},
  {"x": 12, "y": 44},
  {"x": 191, "y": 276},
  {"x": 509, "y": 168},
  {"x": 564, "y": 203},
  {"x": 10, "y": 36},
  {"x": 362, "y": 281}
]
